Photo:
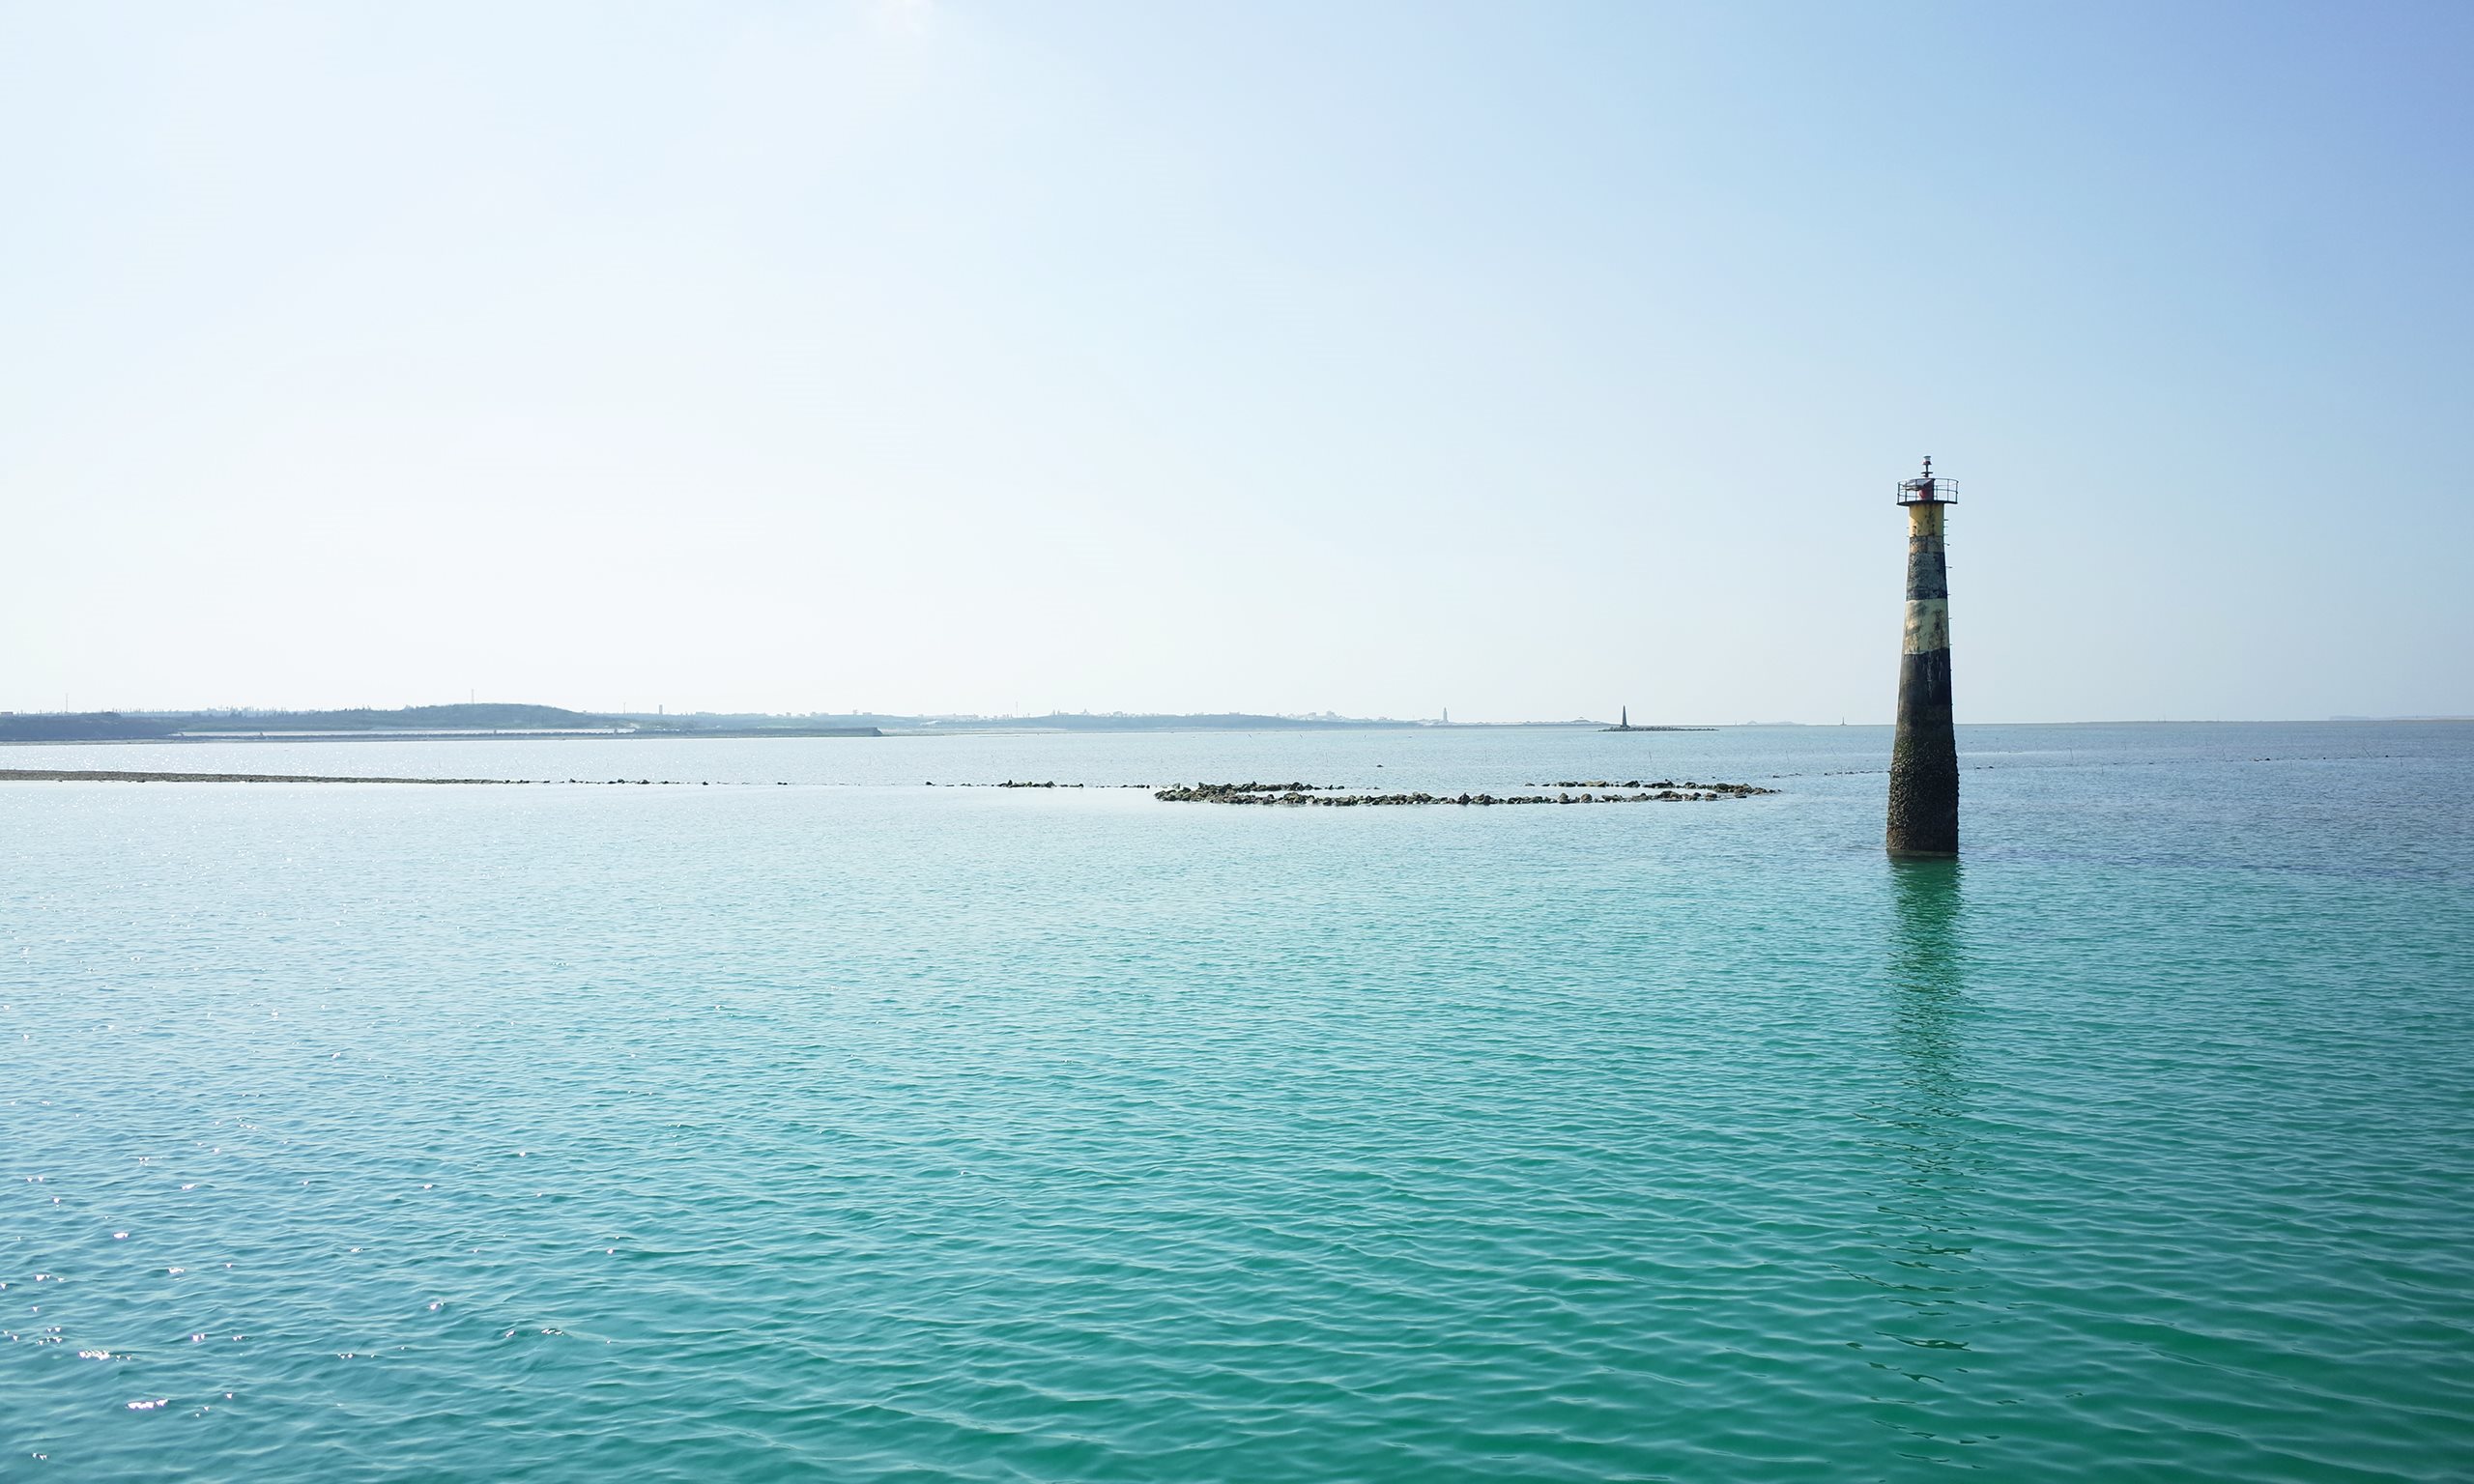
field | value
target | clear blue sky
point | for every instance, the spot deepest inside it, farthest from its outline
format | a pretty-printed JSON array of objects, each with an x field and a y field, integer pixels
[{"x": 1525, "y": 358}]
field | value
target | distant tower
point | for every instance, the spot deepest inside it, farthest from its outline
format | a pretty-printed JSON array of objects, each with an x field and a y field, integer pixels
[
  {"x": 1626, "y": 722},
  {"x": 1924, "y": 760}
]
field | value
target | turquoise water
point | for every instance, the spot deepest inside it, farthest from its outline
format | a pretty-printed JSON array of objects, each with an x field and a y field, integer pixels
[{"x": 877, "y": 1132}]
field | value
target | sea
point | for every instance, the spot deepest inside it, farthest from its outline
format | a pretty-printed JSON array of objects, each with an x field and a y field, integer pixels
[{"x": 801, "y": 1114}]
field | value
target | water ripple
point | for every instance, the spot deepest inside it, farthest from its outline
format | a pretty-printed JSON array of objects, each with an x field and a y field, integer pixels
[{"x": 900, "y": 1134}]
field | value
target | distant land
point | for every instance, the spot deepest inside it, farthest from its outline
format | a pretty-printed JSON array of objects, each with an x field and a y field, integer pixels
[
  {"x": 480, "y": 720},
  {"x": 488, "y": 719}
]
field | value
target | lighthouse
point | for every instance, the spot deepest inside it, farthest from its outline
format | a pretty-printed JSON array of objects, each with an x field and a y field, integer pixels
[{"x": 1924, "y": 760}]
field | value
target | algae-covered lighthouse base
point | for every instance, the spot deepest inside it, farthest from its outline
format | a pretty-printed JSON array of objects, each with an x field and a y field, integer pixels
[{"x": 1924, "y": 760}]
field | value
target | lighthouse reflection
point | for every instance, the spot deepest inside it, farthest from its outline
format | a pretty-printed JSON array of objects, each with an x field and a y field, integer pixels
[
  {"x": 1918, "y": 1252},
  {"x": 1924, "y": 951},
  {"x": 1925, "y": 1103}
]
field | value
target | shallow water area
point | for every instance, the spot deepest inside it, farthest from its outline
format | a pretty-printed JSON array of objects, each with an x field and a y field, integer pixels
[{"x": 840, "y": 1126}]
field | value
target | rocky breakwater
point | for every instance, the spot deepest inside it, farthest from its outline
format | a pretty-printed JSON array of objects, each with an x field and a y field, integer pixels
[{"x": 1332, "y": 796}]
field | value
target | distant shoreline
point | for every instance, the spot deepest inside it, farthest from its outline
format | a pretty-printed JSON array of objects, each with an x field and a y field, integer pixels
[
  {"x": 755, "y": 734},
  {"x": 109, "y": 776},
  {"x": 189, "y": 738},
  {"x": 478, "y": 721}
]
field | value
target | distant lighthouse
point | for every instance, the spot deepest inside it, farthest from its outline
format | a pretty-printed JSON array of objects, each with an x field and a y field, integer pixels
[{"x": 1924, "y": 760}]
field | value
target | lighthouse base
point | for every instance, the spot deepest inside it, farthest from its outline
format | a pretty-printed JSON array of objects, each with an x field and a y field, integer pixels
[{"x": 1924, "y": 790}]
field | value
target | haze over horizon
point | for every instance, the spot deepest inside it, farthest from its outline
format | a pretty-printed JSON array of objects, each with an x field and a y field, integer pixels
[{"x": 944, "y": 358}]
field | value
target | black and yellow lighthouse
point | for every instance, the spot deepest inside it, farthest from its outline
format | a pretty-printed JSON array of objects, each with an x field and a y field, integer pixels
[{"x": 1924, "y": 760}]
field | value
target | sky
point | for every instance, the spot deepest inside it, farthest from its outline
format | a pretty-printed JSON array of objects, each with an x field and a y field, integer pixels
[{"x": 1526, "y": 359}]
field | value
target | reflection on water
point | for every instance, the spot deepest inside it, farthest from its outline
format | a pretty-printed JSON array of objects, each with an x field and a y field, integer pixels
[
  {"x": 1921, "y": 1244},
  {"x": 1926, "y": 902},
  {"x": 1927, "y": 1007}
]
